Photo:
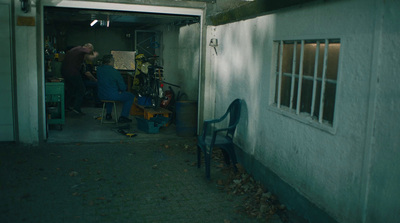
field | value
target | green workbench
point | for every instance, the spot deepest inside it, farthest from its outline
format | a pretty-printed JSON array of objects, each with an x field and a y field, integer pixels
[{"x": 55, "y": 111}]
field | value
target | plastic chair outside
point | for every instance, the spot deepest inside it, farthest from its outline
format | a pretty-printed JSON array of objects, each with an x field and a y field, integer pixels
[{"x": 220, "y": 138}]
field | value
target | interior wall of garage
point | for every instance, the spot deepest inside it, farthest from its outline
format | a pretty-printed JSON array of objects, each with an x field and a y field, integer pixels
[
  {"x": 331, "y": 167},
  {"x": 181, "y": 56},
  {"x": 104, "y": 39},
  {"x": 188, "y": 63}
]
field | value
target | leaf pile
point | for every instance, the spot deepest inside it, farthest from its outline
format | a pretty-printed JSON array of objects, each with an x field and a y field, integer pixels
[{"x": 258, "y": 202}]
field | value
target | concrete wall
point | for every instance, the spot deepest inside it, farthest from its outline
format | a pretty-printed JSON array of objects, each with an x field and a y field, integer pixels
[
  {"x": 6, "y": 74},
  {"x": 383, "y": 152},
  {"x": 336, "y": 168},
  {"x": 170, "y": 48},
  {"x": 27, "y": 78},
  {"x": 104, "y": 40},
  {"x": 188, "y": 63},
  {"x": 180, "y": 58}
]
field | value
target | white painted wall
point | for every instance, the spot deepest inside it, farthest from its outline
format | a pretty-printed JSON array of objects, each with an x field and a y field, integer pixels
[
  {"x": 383, "y": 153},
  {"x": 330, "y": 166},
  {"x": 188, "y": 60},
  {"x": 6, "y": 74},
  {"x": 180, "y": 55},
  {"x": 27, "y": 77},
  {"x": 170, "y": 48}
]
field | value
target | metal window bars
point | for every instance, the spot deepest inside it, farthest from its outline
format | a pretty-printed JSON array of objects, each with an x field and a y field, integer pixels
[{"x": 293, "y": 75}]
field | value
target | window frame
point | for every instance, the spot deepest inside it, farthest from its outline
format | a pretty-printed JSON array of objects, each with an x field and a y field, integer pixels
[{"x": 277, "y": 74}]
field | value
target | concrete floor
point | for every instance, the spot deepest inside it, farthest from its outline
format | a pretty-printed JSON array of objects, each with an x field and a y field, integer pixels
[
  {"x": 88, "y": 128},
  {"x": 88, "y": 172}
]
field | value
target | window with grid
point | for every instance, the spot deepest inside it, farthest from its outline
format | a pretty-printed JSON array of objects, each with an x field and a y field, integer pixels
[{"x": 306, "y": 77}]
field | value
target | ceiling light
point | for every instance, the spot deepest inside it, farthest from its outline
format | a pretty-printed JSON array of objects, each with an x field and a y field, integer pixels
[
  {"x": 94, "y": 22},
  {"x": 108, "y": 21}
]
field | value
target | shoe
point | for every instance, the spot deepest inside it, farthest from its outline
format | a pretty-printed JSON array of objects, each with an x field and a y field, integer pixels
[
  {"x": 108, "y": 117},
  {"x": 123, "y": 119},
  {"x": 79, "y": 112}
]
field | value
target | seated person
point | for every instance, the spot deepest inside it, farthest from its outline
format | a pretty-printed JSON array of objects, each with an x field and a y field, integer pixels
[{"x": 111, "y": 86}]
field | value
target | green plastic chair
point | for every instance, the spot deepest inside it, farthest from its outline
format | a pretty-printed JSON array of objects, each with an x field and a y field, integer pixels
[{"x": 219, "y": 138}]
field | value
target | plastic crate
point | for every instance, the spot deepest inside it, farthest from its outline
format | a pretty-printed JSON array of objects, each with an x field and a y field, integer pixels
[{"x": 148, "y": 126}]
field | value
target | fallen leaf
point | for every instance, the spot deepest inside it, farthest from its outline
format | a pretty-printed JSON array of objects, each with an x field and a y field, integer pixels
[{"x": 73, "y": 173}]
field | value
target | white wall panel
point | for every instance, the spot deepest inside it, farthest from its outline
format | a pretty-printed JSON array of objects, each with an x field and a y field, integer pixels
[{"x": 6, "y": 114}]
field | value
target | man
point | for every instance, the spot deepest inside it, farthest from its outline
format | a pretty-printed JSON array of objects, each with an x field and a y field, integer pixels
[
  {"x": 111, "y": 86},
  {"x": 71, "y": 71}
]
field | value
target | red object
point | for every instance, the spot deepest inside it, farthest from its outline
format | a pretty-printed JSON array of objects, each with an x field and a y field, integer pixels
[{"x": 167, "y": 100}]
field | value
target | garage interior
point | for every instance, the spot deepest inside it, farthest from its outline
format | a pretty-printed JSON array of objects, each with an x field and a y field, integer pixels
[{"x": 160, "y": 38}]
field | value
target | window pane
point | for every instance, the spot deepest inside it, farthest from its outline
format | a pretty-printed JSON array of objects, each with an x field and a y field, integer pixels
[
  {"x": 309, "y": 59},
  {"x": 306, "y": 95},
  {"x": 317, "y": 100},
  {"x": 333, "y": 61},
  {"x": 321, "y": 59},
  {"x": 329, "y": 102},
  {"x": 278, "y": 50},
  {"x": 287, "y": 58},
  {"x": 285, "y": 90},
  {"x": 276, "y": 89},
  {"x": 296, "y": 87},
  {"x": 298, "y": 52}
]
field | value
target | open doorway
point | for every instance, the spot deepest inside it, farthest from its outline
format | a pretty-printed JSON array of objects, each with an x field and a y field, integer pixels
[{"x": 176, "y": 48}]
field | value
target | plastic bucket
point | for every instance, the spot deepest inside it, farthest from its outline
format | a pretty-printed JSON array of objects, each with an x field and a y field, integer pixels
[{"x": 186, "y": 118}]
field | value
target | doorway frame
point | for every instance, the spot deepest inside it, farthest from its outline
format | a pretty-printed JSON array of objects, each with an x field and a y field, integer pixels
[{"x": 111, "y": 7}]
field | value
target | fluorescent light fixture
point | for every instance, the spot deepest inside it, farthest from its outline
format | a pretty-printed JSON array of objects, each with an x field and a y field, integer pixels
[
  {"x": 108, "y": 21},
  {"x": 94, "y": 22}
]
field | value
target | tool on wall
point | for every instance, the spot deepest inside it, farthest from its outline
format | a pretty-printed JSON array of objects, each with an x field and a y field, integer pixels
[
  {"x": 25, "y": 6},
  {"x": 214, "y": 43}
]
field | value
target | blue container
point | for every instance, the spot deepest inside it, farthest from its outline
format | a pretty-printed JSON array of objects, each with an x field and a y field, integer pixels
[
  {"x": 186, "y": 118},
  {"x": 144, "y": 101},
  {"x": 148, "y": 126}
]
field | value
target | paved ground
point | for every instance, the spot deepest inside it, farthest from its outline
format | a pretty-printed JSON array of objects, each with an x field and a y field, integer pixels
[{"x": 155, "y": 181}]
